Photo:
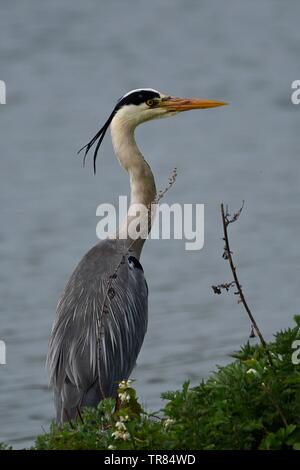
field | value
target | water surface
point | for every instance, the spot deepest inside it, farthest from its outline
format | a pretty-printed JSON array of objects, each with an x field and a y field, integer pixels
[{"x": 65, "y": 64}]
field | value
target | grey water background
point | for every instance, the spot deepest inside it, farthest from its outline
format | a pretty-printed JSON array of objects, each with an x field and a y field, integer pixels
[{"x": 65, "y": 64}]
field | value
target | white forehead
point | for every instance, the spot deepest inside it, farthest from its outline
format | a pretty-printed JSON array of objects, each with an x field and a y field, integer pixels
[{"x": 141, "y": 89}]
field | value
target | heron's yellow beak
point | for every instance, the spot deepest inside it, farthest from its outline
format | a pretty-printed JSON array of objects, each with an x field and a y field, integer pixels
[{"x": 186, "y": 104}]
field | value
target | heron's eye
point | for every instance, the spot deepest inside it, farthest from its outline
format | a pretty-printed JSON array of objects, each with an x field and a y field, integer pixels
[{"x": 150, "y": 103}]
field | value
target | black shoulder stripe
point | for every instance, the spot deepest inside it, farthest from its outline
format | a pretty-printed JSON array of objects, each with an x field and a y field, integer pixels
[{"x": 135, "y": 262}]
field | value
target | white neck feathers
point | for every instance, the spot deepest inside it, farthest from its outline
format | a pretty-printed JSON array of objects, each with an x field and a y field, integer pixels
[{"x": 142, "y": 184}]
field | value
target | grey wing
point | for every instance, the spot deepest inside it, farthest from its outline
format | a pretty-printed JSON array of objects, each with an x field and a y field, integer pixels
[{"x": 72, "y": 355}]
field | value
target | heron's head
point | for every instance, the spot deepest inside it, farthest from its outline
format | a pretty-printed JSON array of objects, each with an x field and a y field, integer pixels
[{"x": 145, "y": 104}]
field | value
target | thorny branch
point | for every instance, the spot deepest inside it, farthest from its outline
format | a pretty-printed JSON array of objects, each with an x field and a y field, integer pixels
[
  {"x": 227, "y": 219},
  {"x": 109, "y": 289},
  {"x": 275, "y": 403},
  {"x": 218, "y": 289},
  {"x": 171, "y": 182}
]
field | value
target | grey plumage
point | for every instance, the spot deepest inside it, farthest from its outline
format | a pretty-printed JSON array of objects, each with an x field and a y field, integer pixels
[{"x": 72, "y": 356}]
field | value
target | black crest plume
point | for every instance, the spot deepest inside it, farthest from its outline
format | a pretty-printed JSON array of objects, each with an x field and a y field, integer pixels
[
  {"x": 99, "y": 136},
  {"x": 134, "y": 97}
]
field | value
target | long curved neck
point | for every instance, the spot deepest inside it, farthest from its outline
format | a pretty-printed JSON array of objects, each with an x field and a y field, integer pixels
[{"x": 142, "y": 183}]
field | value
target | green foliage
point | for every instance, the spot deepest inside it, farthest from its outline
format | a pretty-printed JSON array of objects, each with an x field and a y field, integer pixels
[
  {"x": 247, "y": 404},
  {"x": 4, "y": 447},
  {"x": 89, "y": 434}
]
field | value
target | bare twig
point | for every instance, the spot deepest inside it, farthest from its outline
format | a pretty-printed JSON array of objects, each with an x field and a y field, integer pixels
[
  {"x": 171, "y": 182},
  {"x": 226, "y": 220},
  {"x": 233, "y": 218},
  {"x": 226, "y": 286},
  {"x": 114, "y": 275},
  {"x": 69, "y": 418},
  {"x": 117, "y": 404},
  {"x": 79, "y": 414},
  {"x": 275, "y": 403}
]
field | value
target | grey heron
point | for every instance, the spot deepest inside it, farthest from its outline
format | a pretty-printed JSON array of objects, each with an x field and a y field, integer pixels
[{"x": 86, "y": 364}]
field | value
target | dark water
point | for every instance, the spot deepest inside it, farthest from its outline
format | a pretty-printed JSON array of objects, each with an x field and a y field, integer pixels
[{"x": 65, "y": 64}]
